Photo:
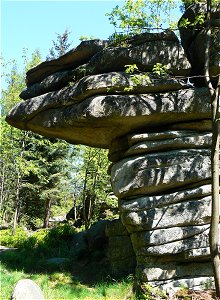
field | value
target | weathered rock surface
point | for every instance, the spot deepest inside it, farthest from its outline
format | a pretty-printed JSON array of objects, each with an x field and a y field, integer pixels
[
  {"x": 149, "y": 202},
  {"x": 196, "y": 283},
  {"x": 98, "y": 119},
  {"x": 168, "y": 221},
  {"x": 91, "y": 85},
  {"x": 166, "y": 235},
  {"x": 27, "y": 289},
  {"x": 88, "y": 86},
  {"x": 120, "y": 252},
  {"x": 115, "y": 228},
  {"x": 198, "y": 213},
  {"x": 145, "y": 55},
  {"x": 94, "y": 57},
  {"x": 156, "y": 269},
  {"x": 137, "y": 144},
  {"x": 158, "y": 172},
  {"x": 70, "y": 60},
  {"x": 193, "y": 38},
  {"x": 57, "y": 261},
  {"x": 96, "y": 237},
  {"x": 183, "y": 248}
]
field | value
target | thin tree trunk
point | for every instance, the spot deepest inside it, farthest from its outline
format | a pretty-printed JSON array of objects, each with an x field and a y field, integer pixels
[
  {"x": 85, "y": 215},
  {"x": 2, "y": 186},
  {"x": 74, "y": 207},
  {"x": 18, "y": 187},
  {"x": 214, "y": 232},
  {"x": 47, "y": 212},
  {"x": 17, "y": 204}
]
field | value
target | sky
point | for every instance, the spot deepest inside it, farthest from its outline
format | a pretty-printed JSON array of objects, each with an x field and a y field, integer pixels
[{"x": 34, "y": 24}]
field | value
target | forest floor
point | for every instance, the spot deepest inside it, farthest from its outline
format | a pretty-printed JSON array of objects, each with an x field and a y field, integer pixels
[
  {"x": 195, "y": 295},
  {"x": 83, "y": 282},
  {"x": 76, "y": 279}
]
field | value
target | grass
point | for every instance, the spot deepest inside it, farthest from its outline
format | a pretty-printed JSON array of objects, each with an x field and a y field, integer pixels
[
  {"x": 74, "y": 280},
  {"x": 62, "y": 285}
]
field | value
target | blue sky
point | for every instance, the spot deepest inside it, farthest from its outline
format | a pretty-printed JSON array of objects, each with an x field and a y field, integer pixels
[{"x": 34, "y": 24}]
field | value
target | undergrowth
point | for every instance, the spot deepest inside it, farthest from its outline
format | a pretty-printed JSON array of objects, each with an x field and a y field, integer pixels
[{"x": 57, "y": 281}]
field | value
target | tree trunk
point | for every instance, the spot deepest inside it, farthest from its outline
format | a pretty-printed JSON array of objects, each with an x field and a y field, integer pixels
[
  {"x": 214, "y": 232},
  {"x": 18, "y": 187},
  {"x": 2, "y": 186},
  {"x": 47, "y": 212},
  {"x": 74, "y": 207},
  {"x": 17, "y": 204}
]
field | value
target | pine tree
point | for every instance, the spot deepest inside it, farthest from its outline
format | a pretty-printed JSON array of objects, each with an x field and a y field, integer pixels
[{"x": 60, "y": 46}]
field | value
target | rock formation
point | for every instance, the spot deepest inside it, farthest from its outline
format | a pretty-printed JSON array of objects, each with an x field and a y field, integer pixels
[{"x": 159, "y": 137}]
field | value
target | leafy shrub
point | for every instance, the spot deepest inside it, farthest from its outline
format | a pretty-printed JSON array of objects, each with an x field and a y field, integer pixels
[
  {"x": 36, "y": 239},
  {"x": 49, "y": 242},
  {"x": 42, "y": 241},
  {"x": 16, "y": 240}
]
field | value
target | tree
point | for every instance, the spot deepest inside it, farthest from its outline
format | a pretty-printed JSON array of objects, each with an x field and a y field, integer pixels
[
  {"x": 12, "y": 147},
  {"x": 33, "y": 168},
  {"x": 91, "y": 183},
  {"x": 60, "y": 46},
  {"x": 214, "y": 93},
  {"x": 49, "y": 163},
  {"x": 137, "y": 16}
]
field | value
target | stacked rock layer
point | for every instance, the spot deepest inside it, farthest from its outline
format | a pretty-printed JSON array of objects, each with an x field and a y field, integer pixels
[
  {"x": 162, "y": 181},
  {"x": 159, "y": 138}
]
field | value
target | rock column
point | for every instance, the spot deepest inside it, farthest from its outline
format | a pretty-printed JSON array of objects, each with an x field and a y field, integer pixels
[{"x": 162, "y": 180}]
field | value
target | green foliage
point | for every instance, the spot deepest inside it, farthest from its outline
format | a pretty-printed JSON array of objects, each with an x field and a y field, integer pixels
[
  {"x": 91, "y": 183},
  {"x": 34, "y": 170},
  {"x": 87, "y": 38},
  {"x": 199, "y": 20},
  {"x": 141, "y": 79},
  {"x": 30, "y": 261},
  {"x": 160, "y": 70},
  {"x": 137, "y": 16},
  {"x": 137, "y": 79},
  {"x": 131, "y": 18},
  {"x": 131, "y": 68},
  {"x": 62, "y": 285},
  {"x": 10, "y": 240},
  {"x": 184, "y": 23},
  {"x": 44, "y": 240},
  {"x": 119, "y": 39},
  {"x": 146, "y": 292}
]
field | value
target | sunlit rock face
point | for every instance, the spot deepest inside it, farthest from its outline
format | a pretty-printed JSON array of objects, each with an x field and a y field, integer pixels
[
  {"x": 158, "y": 133},
  {"x": 162, "y": 180}
]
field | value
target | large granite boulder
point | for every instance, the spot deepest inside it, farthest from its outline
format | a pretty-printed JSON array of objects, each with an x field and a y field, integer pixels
[
  {"x": 158, "y": 133},
  {"x": 120, "y": 252}
]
